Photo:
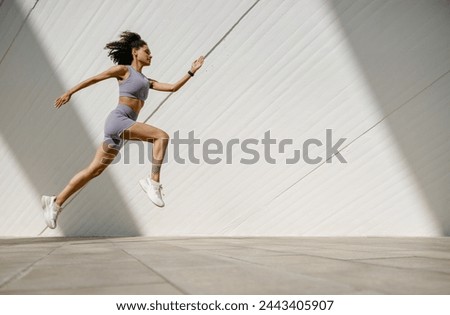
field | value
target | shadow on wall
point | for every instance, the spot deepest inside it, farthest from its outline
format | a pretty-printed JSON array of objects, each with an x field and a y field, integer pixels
[
  {"x": 403, "y": 51},
  {"x": 51, "y": 146}
]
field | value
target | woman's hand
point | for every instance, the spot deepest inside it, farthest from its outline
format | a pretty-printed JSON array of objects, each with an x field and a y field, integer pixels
[
  {"x": 63, "y": 99},
  {"x": 197, "y": 64}
]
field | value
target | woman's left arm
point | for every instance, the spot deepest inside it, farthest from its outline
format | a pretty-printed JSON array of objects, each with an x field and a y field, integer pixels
[{"x": 169, "y": 87}]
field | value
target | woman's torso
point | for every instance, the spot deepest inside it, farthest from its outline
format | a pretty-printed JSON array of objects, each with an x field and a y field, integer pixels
[
  {"x": 133, "y": 89},
  {"x": 134, "y": 103}
]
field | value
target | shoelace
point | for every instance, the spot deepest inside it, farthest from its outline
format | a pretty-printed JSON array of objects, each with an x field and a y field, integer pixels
[{"x": 159, "y": 189}]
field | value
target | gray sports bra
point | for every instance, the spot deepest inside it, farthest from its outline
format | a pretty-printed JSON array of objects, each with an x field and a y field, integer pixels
[{"x": 135, "y": 86}]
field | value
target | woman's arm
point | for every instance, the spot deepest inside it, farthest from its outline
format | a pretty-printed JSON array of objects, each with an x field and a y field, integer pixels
[
  {"x": 169, "y": 87},
  {"x": 113, "y": 72}
]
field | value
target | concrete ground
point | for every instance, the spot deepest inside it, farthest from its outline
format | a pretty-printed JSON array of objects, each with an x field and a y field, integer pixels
[{"x": 149, "y": 265}]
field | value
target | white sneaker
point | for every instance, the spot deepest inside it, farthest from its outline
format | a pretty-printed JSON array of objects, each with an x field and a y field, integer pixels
[
  {"x": 51, "y": 210},
  {"x": 153, "y": 190}
]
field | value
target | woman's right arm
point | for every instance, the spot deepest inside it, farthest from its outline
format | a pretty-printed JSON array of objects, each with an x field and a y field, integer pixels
[{"x": 113, "y": 72}]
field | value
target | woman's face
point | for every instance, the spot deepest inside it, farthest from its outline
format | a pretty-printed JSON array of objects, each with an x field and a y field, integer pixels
[{"x": 143, "y": 55}]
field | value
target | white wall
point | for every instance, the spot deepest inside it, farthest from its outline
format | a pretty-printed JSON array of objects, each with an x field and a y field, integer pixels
[{"x": 373, "y": 72}]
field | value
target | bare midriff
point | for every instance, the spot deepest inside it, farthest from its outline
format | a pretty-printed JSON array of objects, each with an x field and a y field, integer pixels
[{"x": 134, "y": 103}]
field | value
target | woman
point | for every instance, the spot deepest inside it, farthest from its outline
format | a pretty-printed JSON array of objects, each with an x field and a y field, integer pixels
[{"x": 130, "y": 54}]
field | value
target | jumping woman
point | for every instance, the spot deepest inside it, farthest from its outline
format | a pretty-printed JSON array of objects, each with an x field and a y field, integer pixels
[{"x": 131, "y": 54}]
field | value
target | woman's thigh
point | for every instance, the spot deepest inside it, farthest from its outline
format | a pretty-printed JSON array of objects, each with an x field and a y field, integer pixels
[
  {"x": 144, "y": 132},
  {"x": 104, "y": 156}
]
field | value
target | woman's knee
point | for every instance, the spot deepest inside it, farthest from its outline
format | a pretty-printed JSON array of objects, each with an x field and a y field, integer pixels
[
  {"x": 96, "y": 170},
  {"x": 163, "y": 135},
  {"x": 159, "y": 135}
]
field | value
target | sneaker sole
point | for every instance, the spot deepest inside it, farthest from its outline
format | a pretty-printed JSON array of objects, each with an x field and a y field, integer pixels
[
  {"x": 143, "y": 184},
  {"x": 43, "y": 202}
]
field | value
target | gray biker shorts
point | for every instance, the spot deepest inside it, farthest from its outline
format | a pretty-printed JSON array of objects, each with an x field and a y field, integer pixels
[{"x": 121, "y": 118}]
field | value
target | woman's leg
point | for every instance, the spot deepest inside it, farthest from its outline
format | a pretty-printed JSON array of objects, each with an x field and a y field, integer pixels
[
  {"x": 158, "y": 137},
  {"x": 103, "y": 157}
]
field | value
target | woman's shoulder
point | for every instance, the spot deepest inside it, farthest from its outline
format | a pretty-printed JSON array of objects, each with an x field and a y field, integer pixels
[
  {"x": 119, "y": 71},
  {"x": 122, "y": 69}
]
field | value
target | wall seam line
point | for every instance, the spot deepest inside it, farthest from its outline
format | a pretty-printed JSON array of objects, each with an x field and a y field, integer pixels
[{"x": 18, "y": 32}]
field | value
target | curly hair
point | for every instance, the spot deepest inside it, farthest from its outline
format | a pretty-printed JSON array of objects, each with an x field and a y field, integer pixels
[{"x": 120, "y": 51}]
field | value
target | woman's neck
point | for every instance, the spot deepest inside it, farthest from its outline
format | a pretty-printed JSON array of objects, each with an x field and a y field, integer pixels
[{"x": 137, "y": 65}]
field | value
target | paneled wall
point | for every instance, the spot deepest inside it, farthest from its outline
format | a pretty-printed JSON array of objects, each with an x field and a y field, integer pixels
[{"x": 286, "y": 86}]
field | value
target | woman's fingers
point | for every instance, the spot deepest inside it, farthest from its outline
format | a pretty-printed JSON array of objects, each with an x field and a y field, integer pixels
[
  {"x": 61, "y": 100},
  {"x": 57, "y": 102},
  {"x": 199, "y": 62}
]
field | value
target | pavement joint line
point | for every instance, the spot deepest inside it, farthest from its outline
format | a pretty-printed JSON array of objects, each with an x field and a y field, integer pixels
[
  {"x": 357, "y": 261},
  {"x": 37, "y": 291},
  {"x": 265, "y": 265},
  {"x": 321, "y": 277},
  {"x": 156, "y": 272},
  {"x": 25, "y": 270},
  {"x": 152, "y": 270},
  {"x": 309, "y": 255},
  {"x": 405, "y": 268},
  {"x": 310, "y": 276}
]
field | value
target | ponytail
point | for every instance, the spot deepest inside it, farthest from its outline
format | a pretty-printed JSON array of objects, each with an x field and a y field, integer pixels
[{"x": 121, "y": 51}]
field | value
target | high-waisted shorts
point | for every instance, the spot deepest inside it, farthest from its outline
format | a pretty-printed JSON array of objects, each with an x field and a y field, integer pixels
[{"x": 121, "y": 118}]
